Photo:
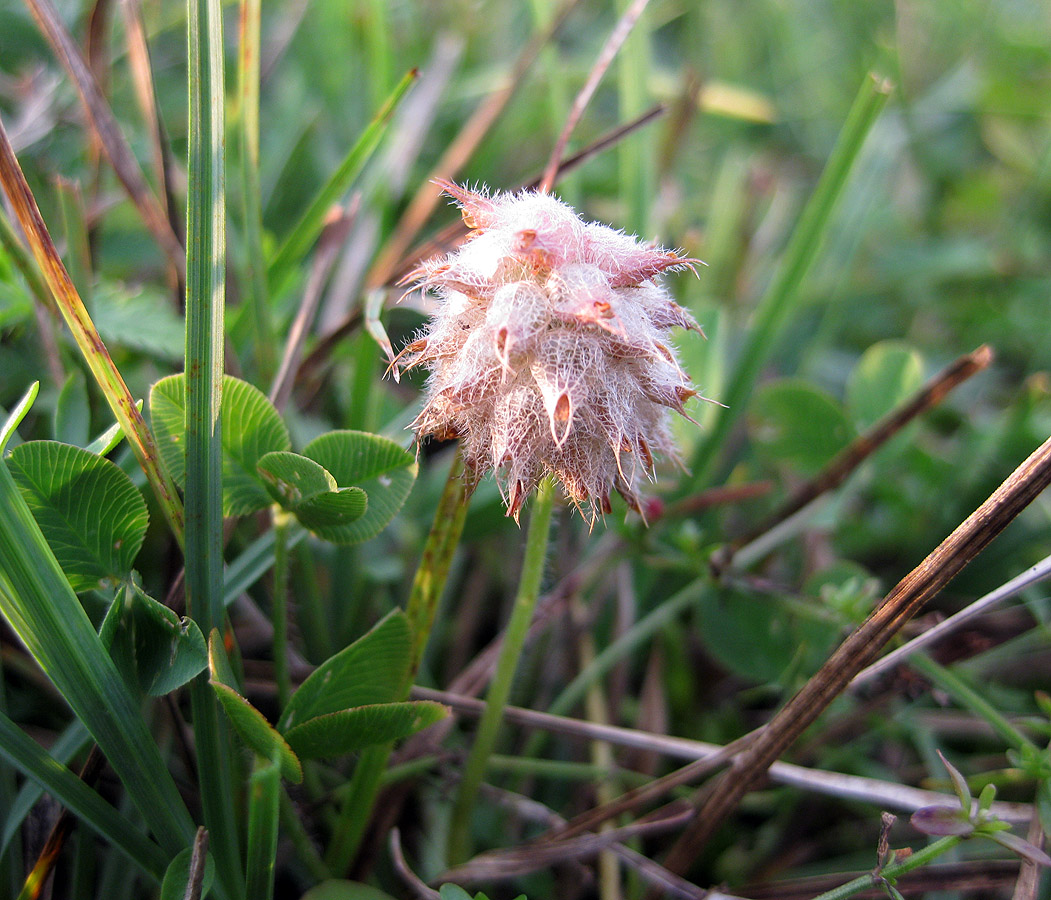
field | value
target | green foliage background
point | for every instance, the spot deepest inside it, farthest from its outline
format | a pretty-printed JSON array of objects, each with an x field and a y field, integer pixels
[{"x": 940, "y": 242}]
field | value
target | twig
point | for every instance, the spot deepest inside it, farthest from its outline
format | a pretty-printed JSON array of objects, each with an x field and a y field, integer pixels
[
  {"x": 862, "y": 447},
  {"x": 861, "y": 647},
  {"x": 605, "y": 58},
  {"x": 1028, "y": 884},
  {"x": 1031, "y": 576},
  {"x": 885, "y": 794},
  {"x": 195, "y": 883},
  {"x": 401, "y": 866}
]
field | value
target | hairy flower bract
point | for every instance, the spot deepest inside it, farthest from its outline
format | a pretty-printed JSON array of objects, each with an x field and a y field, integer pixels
[{"x": 549, "y": 350}]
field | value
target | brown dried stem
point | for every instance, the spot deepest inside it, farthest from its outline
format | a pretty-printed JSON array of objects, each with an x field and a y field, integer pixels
[
  {"x": 861, "y": 647},
  {"x": 605, "y": 58},
  {"x": 861, "y": 448}
]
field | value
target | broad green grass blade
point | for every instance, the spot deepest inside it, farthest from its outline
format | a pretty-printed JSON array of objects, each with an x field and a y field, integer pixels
[
  {"x": 307, "y": 229},
  {"x": 777, "y": 304},
  {"x": 41, "y": 607},
  {"x": 34, "y": 762},
  {"x": 205, "y": 307}
]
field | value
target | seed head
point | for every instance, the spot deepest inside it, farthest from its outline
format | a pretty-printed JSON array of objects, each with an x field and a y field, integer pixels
[{"x": 549, "y": 350}]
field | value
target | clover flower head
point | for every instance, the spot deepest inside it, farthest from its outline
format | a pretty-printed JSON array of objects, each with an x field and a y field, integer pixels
[{"x": 549, "y": 350}]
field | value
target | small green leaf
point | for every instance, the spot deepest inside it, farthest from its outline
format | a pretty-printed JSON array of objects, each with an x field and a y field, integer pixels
[
  {"x": 15, "y": 417},
  {"x": 152, "y": 646},
  {"x": 93, "y": 517},
  {"x": 351, "y": 730},
  {"x": 798, "y": 425},
  {"x": 369, "y": 671},
  {"x": 72, "y": 423},
  {"x": 886, "y": 374},
  {"x": 248, "y": 722},
  {"x": 251, "y": 429},
  {"x": 177, "y": 877},
  {"x": 328, "y": 515},
  {"x": 384, "y": 470},
  {"x": 290, "y": 478},
  {"x": 338, "y": 889},
  {"x": 959, "y": 785}
]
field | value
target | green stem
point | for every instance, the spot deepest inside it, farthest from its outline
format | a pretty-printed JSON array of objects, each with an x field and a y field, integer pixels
[
  {"x": 778, "y": 302},
  {"x": 279, "y": 611},
  {"x": 964, "y": 694},
  {"x": 427, "y": 588},
  {"x": 500, "y": 689},
  {"x": 205, "y": 302},
  {"x": 892, "y": 872}
]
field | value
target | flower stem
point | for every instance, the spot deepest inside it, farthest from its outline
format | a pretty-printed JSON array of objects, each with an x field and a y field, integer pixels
[
  {"x": 426, "y": 591},
  {"x": 500, "y": 689}
]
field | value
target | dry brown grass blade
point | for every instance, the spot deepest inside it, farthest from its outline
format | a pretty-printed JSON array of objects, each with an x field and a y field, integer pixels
[
  {"x": 104, "y": 126},
  {"x": 332, "y": 238},
  {"x": 862, "y": 646},
  {"x": 458, "y": 153},
  {"x": 605, "y": 58},
  {"x": 106, "y": 374},
  {"x": 145, "y": 94},
  {"x": 860, "y": 449},
  {"x": 499, "y": 864}
]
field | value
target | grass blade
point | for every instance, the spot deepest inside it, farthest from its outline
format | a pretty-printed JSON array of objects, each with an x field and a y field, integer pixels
[
  {"x": 105, "y": 128},
  {"x": 205, "y": 307},
  {"x": 109, "y": 379},
  {"x": 312, "y": 221},
  {"x": 38, "y": 602},
  {"x": 248, "y": 80},
  {"x": 263, "y": 806},
  {"x": 35, "y": 763},
  {"x": 776, "y": 305}
]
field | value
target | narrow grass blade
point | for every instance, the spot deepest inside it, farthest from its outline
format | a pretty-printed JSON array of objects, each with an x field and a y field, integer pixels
[
  {"x": 105, "y": 128},
  {"x": 15, "y": 417},
  {"x": 109, "y": 379},
  {"x": 263, "y": 805},
  {"x": 777, "y": 304},
  {"x": 248, "y": 81},
  {"x": 205, "y": 307},
  {"x": 40, "y": 606},
  {"x": 309, "y": 226},
  {"x": 33, "y": 761}
]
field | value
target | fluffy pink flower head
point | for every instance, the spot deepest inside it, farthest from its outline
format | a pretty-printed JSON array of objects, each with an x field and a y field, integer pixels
[{"x": 549, "y": 351}]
